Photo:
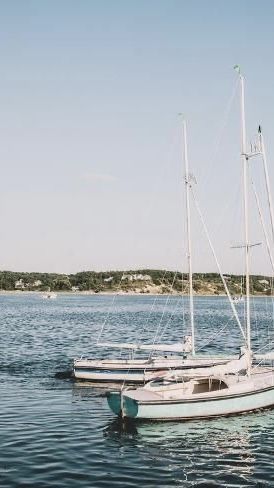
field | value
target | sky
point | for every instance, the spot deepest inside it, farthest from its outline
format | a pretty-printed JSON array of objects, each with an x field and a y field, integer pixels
[{"x": 90, "y": 138}]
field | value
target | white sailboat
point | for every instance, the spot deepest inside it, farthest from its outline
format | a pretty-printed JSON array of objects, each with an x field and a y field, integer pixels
[
  {"x": 200, "y": 394},
  {"x": 233, "y": 388},
  {"x": 140, "y": 370}
]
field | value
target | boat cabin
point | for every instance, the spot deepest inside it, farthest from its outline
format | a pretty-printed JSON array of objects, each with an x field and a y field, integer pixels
[{"x": 171, "y": 388}]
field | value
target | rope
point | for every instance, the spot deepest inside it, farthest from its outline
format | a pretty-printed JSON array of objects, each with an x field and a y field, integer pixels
[
  {"x": 221, "y": 132},
  {"x": 151, "y": 310},
  {"x": 110, "y": 309},
  {"x": 162, "y": 316},
  {"x": 217, "y": 263},
  {"x": 170, "y": 318},
  {"x": 262, "y": 223},
  {"x": 214, "y": 337}
]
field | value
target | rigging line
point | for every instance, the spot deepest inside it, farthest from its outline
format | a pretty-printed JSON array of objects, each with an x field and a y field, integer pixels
[
  {"x": 151, "y": 310},
  {"x": 253, "y": 308},
  {"x": 162, "y": 316},
  {"x": 259, "y": 363},
  {"x": 270, "y": 316},
  {"x": 113, "y": 303},
  {"x": 170, "y": 318},
  {"x": 272, "y": 300},
  {"x": 264, "y": 347},
  {"x": 216, "y": 335},
  {"x": 221, "y": 131},
  {"x": 267, "y": 183},
  {"x": 168, "y": 300},
  {"x": 183, "y": 303},
  {"x": 175, "y": 308},
  {"x": 262, "y": 223},
  {"x": 269, "y": 322},
  {"x": 217, "y": 263},
  {"x": 109, "y": 311},
  {"x": 143, "y": 329},
  {"x": 232, "y": 206}
]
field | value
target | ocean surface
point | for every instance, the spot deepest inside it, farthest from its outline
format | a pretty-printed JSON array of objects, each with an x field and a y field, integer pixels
[{"x": 55, "y": 432}]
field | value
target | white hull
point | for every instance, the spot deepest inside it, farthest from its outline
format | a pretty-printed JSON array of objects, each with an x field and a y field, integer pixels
[
  {"x": 135, "y": 371},
  {"x": 244, "y": 395}
]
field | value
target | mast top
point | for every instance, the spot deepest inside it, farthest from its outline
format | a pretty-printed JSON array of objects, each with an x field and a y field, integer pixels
[{"x": 237, "y": 69}]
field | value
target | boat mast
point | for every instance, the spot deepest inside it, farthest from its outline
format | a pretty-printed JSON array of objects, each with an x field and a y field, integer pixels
[
  {"x": 245, "y": 161},
  {"x": 188, "y": 224},
  {"x": 266, "y": 175}
]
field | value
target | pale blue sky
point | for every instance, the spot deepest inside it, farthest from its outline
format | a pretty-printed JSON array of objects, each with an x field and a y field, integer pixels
[{"x": 90, "y": 138}]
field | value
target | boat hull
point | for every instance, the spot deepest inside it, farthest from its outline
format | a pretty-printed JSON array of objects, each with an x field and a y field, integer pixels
[
  {"x": 134, "y": 371},
  {"x": 191, "y": 409},
  {"x": 110, "y": 376}
]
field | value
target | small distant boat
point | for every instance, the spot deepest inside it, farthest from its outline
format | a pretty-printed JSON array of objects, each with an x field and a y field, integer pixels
[
  {"x": 49, "y": 296},
  {"x": 238, "y": 299}
]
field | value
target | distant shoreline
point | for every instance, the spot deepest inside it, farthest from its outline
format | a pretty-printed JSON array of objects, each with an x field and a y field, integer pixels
[
  {"x": 124, "y": 294},
  {"x": 133, "y": 283}
]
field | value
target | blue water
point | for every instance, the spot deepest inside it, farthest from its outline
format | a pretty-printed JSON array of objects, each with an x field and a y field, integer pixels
[{"x": 57, "y": 433}]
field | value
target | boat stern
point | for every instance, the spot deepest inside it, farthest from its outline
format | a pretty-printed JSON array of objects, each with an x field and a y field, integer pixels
[
  {"x": 129, "y": 407},
  {"x": 122, "y": 405},
  {"x": 114, "y": 402}
]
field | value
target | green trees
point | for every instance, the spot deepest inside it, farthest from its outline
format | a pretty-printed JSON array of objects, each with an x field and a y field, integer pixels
[{"x": 140, "y": 279}]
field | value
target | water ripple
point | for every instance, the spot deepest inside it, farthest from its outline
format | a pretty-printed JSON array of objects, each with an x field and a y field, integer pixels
[{"x": 55, "y": 433}]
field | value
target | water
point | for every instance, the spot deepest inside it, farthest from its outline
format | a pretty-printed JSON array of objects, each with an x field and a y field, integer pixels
[{"x": 56, "y": 433}]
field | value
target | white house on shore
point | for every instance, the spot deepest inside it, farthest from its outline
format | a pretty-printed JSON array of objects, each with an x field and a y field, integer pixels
[
  {"x": 21, "y": 285},
  {"x": 136, "y": 277},
  {"x": 75, "y": 288},
  {"x": 37, "y": 283},
  {"x": 108, "y": 280}
]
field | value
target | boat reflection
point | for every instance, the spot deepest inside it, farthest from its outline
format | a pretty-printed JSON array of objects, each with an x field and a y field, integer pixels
[{"x": 198, "y": 445}]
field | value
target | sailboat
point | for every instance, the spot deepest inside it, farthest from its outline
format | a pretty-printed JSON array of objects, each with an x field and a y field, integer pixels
[
  {"x": 238, "y": 299},
  {"x": 233, "y": 388},
  {"x": 140, "y": 371}
]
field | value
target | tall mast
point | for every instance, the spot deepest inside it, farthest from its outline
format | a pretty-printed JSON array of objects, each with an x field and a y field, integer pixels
[
  {"x": 244, "y": 156},
  {"x": 188, "y": 223},
  {"x": 266, "y": 175}
]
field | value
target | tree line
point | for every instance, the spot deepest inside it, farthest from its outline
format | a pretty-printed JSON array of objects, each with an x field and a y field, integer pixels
[{"x": 130, "y": 280}]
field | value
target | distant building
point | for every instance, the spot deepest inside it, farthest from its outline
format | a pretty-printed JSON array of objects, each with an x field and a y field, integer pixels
[
  {"x": 75, "y": 288},
  {"x": 146, "y": 277},
  {"x": 108, "y": 280},
  {"x": 19, "y": 284},
  {"x": 127, "y": 278},
  {"x": 264, "y": 282},
  {"x": 37, "y": 283},
  {"x": 136, "y": 277}
]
